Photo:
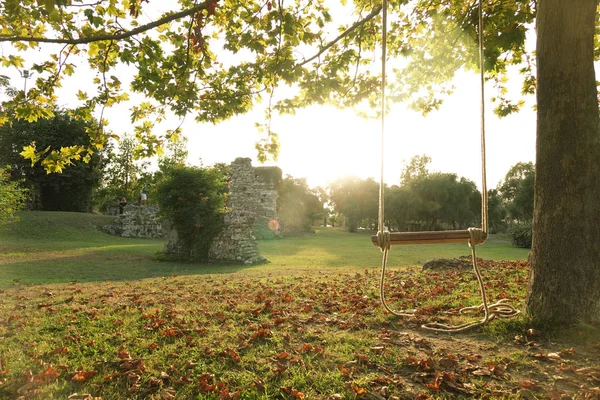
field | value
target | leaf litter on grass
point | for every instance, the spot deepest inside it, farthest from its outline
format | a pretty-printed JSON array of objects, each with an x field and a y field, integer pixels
[{"x": 313, "y": 336}]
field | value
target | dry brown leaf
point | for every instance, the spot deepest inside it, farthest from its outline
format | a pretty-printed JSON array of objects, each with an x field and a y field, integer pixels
[{"x": 83, "y": 376}]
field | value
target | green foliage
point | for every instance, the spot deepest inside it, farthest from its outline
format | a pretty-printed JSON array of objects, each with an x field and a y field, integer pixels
[
  {"x": 496, "y": 212},
  {"x": 517, "y": 191},
  {"x": 124, "y": 176},
  {"x": 520, "y": 234},
  {"x": 12, "y": 197},
  {"x": 175, "y": 155},
  {"x": 448, "y": 200},
  {"x": 218, "y": 59},
  {"x": 70, "y": 190},
  {"x": 430, "y": 201},
  {"x": 298, "y": 207},
  {"x": 356, "y": 199},
  {"x": 193, "y": 200},
  {"x": 415, "y": 169}
]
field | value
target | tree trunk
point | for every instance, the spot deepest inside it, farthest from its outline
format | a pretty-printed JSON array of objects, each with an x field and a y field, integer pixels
[
  {"x": 352, "y": 224},
  {"x": 564, "y": 284}
]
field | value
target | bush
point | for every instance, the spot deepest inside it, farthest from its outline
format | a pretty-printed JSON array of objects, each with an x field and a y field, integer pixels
[
  {"x": 520, "y": 234},
  {"x": 193, "y": 201},
  {"x": 12, "y": 197}
]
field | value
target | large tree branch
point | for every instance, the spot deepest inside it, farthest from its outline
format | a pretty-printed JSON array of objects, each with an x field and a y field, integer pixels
[
  {"x": 357, "y": 24},
  {"x": 117, "y": 36}
]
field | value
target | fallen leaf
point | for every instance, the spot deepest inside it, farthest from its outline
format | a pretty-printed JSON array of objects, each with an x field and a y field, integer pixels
[
  {"x": 306, "y": 347},
  {"x": 86, "y": 396},
  {"x": 482, "y": 372},
  {"x": 529, "y": 384},
  {"x": 83, "y": 376},
  {"x": 554, "y": 356},
  {"x": 59, "y": 350},
  {"x": 447, "y": 364},
  {"x": 133, "y": 378},
  {"x": 533, "y": 332},
  {"x": 358, "y": 390}
]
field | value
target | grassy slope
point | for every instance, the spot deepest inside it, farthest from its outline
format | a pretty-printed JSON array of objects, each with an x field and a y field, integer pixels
[{"x": 59, "y": 247}]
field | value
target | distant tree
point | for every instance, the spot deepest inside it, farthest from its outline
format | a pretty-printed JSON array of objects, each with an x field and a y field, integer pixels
[
  {"x": 70, "y": 190},
  {"x": 333, "y": 219},
  {"x": 496, "y": 212},
  {"x": 430, "y": 201},
  {"x": 356, "y": 199},
  {"x": 415, "y": 169},
  {"x": 124, "y": 176},
  {"x": 446, "y": 201},
  {"x": 12, "y": 197},
  {"x": 176, "y": 153},
  {"x": 323, "y": 196},
  {"x": 517, "y": 191},
  {"x": 298, "y": 207},
  {"x": 401, "y": 207}
]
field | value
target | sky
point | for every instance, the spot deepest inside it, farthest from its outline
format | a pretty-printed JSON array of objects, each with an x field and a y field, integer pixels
[{"x": 322, "y": 143}]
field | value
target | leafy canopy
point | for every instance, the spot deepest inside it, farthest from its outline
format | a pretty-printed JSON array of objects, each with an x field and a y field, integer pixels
[
  {"x": 218, "y": 58},
  {"x": 68, "y": 191}
]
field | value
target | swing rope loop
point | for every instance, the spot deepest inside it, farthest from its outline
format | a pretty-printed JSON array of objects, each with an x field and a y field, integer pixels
[
  {"x": 477, "y": 236},
  {"x": 384, "y": 240}
]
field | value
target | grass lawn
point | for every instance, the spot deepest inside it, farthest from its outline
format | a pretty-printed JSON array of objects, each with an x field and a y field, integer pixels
[
  {"x": 306, "y": 325},
  {"x": 61, "y": 247}
]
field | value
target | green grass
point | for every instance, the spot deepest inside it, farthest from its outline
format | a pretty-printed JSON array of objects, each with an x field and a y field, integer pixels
[
  {"x": 334, "y": 248},
  {"x": 46, "y": 247},
  {"x": 60, "y": 247},
  {"x": 306, "y": 325}
]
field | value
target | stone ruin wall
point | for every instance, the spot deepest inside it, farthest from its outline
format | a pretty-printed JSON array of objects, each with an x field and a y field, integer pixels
[
  {"x": 254, "y": 189},
  {"x": 253, "y": 203},
  {"x": 136, "y": 222}
]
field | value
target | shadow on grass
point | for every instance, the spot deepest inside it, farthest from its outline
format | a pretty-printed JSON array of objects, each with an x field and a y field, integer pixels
[{"x": 108, "y": 263}]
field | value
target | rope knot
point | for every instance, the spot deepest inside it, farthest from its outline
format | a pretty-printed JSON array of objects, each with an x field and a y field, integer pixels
[
  {"x": 384, "y": 240},
  {"x": 477, "y": 236}
]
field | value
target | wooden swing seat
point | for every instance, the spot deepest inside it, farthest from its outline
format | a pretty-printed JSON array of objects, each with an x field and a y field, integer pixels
[{"x": 430, "y": 237}]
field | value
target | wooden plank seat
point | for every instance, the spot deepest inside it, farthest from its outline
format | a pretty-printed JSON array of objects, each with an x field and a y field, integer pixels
[{"x": 430, "y": 237}]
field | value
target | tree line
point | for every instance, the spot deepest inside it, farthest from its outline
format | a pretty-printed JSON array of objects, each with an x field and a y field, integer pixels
[{"x": 424, "y": 200}]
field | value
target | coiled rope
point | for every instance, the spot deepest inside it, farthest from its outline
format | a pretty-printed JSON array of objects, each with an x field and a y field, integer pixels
[{"x": 476, "y": 235}]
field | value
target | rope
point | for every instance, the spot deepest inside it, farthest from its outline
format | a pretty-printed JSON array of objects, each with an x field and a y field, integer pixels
[
  {"x": 381, "y": 215},
  {"x": 484, "y": 193},
  {"x": 490, "y": 312},
  {"x": 476, "y": 235},
  {"x": 499, "y": 309}
]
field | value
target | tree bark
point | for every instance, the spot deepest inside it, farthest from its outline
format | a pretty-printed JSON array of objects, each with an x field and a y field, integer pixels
[{"x": 564, "y": 284}]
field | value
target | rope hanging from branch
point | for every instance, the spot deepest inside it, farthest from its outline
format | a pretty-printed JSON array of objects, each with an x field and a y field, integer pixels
[{"x": 476, "y": 235}]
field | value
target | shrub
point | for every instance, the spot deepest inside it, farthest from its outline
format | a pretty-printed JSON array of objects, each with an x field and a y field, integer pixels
[
  {"x": 193, "y": 200},
  {"x": 520, "y": 234},
  {"x": 12, "y": 197}
]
